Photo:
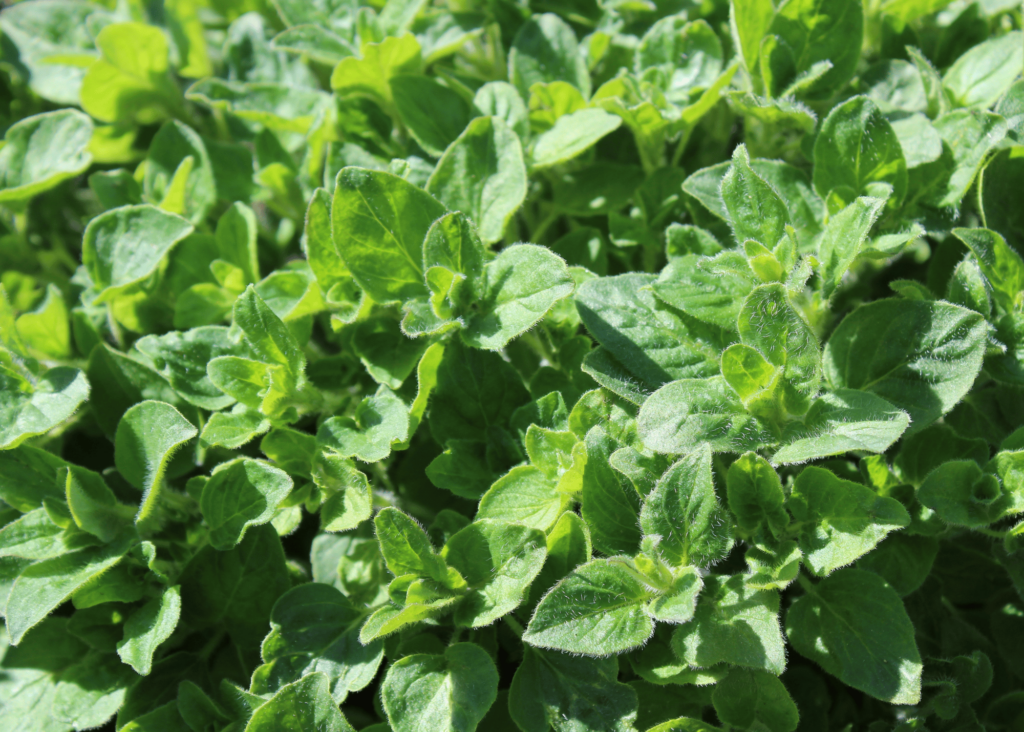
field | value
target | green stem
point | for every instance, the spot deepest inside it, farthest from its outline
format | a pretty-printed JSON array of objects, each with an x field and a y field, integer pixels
[
  {"x": 805, "y": 583},
  {"x": 650, "y": 258},
  {"x": 536, "y": 342},
  {"x": 681, "y": 145},
  {"x": 21, "y": 221},
  {"x": 991, "y": 532},
  {"x": 545, "y": 224},
  {"x": 514, "y": 626},
  {"x": 211, "y": 645}
]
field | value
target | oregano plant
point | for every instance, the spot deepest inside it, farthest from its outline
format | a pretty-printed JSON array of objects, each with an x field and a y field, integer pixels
[{"x": 583, "y": 366}]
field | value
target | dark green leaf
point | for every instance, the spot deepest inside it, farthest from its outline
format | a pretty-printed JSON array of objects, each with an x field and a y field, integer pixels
[{"x": 854, "y": 626}]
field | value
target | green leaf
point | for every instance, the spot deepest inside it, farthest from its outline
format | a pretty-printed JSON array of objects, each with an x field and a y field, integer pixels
[
  {"x": 755, "y": 209},
  {"x": 482, "y": 174},
  {"x": 564, "y": 692},
  {"x": 971, "y": 135},
  {"x": 234, "y": 591},
  {"x": 845, "y": 237},
  {"x": 244, "y": 380},
  {"x": 147, "y": 436},
  {"x": 679, "y": 602},
  {"x": 518, "y": 288},
  {"x": 463, "y": 469},
  {"x": 500, "y": 99},
  {"x": 27, "y": 476},
  {"x": 754, "y": 380},
  {"x": 323, "y": 256},
  {"x": 452, "y": 243},
  {"x": 966, "y": 287},
  {"x": 43, "y": 586},
  {"x": 53, "y": 681},
  {"x": 148, "y": 627},
  {"x": 347, "y": 496},
  {"x": 277, "y": 106},
  {"x": 569, "y": 546},
  {"x": 477, "y": 391},
  {"x": 903, "y": 560},
  {"x": 750, "y": 20},
  {"x": 550, "y": 450},
  {"x": 378, "y": 422},
  {"x": 36, "y": 536},
  {"x": 406, "y": 547},
  {"x": 839, "y": 520},
  {"x": 842, "y": 421},
  {"x": 957, "y": 682},
  {"x": 658, "y": 664},
  {"x": 773, "y": 568},
  {"x": 572, "y": 135},
  {"x": 38, "y": 33},
  {"x": 29, "y": 409},
  {"x": 684, "y": 513},
  {"x": 233, "y": 429},
  {"x": 435, "y": 114},
  {"x": 854, "y": 626},
  {"x": 181, "y": 357},
  {"x": 93, "y": 505},
  {"x": 319, "y": 43},
  {"x": 733, "y": 624},
  {"x": 600, "y": 608},
  {"x": 750, "y": 699},
  {"x": 856, "y": 131},
  {"x": 124, "y": 247},
  {"x": 815, "y": 32},
  {"x": 379, "y": 223},
  {"x": 684, "y": 57},
  {"x": 197, "y": 709},
  {"x": 268, "y": 337},
  {"x": 371, "y": 74},
  {"x": 130, "y": 83},
  {"x": 806, "y": 209},
  {"x": 610, "y": 503},
  {"x": 925, "y": 450},
  {"x": 961, "y": 494},
  {"x": 315, "y": 628},
  {"x": 451, "y": 691},
  {"x": 711, "y": 289},
  {"x": 919, "y": 139},
  {"x": 921, "y": 356},
  {"x": 526, "y": 496},
  {"x": 46, "y": 329},
  {"x": 755, "y": 496},
  {"x": 769, "y": 322},
  {"x": 390, "y": 618},
  {"x": 151, "y": 700},
  {"x": 498, "y": 561},
  {"x": 240, "y": 494},
  {"x": 174, "y": 143},
  {"x": 650, "y": 343},
  {"x": 304, "y": 704},
  {"x": 545, "y": 49},
  {"x": 683, "y": 414},
  {"x": 986, "y": 71},
  {"x": 1002, "y": 266},
  {"x": 40, "y": 152}
]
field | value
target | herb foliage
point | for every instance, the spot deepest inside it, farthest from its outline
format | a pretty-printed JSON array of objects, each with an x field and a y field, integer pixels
[{"x": 566, "y": 366}]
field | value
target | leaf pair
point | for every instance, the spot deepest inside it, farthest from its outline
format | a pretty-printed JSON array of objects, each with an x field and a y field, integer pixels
[
  {"x": 399, "y": 244},
  {"x": 483, "y": 572}
]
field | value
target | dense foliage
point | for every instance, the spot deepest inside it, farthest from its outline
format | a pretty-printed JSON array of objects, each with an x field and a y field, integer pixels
[{"x": 577, "y": 365}]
